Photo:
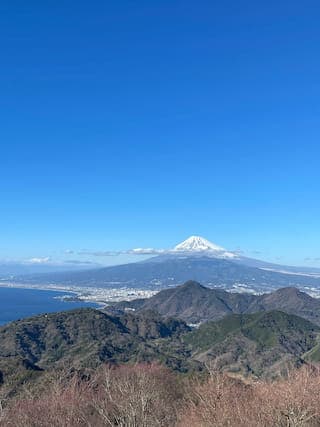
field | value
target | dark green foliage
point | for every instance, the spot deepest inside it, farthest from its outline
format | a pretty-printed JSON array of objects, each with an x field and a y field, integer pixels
[
  {"x": 259, "y": 343},
  {"x": 87, "y": 338}
]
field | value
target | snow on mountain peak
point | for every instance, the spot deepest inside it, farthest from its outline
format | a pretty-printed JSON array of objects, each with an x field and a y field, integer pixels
[{"x": 199, "y": 244}]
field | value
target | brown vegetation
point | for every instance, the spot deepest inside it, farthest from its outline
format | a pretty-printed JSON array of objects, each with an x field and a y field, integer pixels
[
  {"x": 222, "y": 401},
  {"x": 143, "y": 395},
  {"x": 149, "y": 395}
]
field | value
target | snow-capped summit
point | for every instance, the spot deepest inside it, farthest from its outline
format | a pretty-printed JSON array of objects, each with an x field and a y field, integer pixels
[
  {"x": 197, "y": 243},
  {"x": 200, "y": 245}
]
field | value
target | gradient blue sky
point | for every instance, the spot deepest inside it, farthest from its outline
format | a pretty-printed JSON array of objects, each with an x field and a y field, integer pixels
[{"x": 136, "y": 124}]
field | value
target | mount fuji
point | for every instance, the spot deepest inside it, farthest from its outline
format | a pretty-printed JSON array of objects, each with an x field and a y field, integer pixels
[
  {"x": 197, "y": 244},
  {"x": 194, "y": 259}
]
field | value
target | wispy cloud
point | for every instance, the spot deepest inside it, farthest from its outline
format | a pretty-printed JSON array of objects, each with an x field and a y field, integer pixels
[
  {"x": 147, "y": 251},
  {"x": 40, "y": 260},
  {"x": 100, "y": 253},
  {"x": 79, "y": 262},
  {"x": 256, "y": 252},
  {"x": 239, "y": 252},
  {"x": 58, "y": 263},
  {"x": 135, "y": 251}
]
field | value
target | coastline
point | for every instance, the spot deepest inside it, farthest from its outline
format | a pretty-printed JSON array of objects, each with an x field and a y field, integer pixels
[{"x": 100, "y": 296}]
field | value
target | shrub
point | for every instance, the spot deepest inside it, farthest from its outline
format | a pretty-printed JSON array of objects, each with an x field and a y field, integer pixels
[
  {"x": 139, "y": 396},
  {"x": 149, "y": 395},
  {"x": 144, "y": 395},
  {"x": 293, "y": 401}
]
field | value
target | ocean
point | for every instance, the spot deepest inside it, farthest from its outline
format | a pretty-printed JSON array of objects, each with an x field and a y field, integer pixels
[{"x": 17, "y": 303}]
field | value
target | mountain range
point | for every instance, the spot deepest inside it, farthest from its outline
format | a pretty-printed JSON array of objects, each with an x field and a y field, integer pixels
[
  {"x": 86, "y": 338},
  {"x": 196, "y": 259},
  {"x": 195, "y": 303},
  {"x": 262, "y": 344},
  {"x": 255, "y": 335}
]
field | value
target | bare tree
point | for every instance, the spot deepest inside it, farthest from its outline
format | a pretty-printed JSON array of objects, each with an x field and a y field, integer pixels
[{"x": 144, "y": 395}]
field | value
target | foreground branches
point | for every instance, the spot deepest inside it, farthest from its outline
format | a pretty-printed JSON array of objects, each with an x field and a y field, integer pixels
[{"x": 149, "y": 395}]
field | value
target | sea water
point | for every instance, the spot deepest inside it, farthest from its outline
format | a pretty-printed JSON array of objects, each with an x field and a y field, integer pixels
[{"x": 17, "y": 303}]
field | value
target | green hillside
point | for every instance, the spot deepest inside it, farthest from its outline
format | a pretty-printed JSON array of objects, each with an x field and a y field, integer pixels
[{"x": 260, "y": 343}]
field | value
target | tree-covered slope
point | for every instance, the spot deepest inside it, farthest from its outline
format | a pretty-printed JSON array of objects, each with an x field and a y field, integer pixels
[
  {"x": 261, "y": 343},
  {"x": 195, "y": 303},
  {"x": 84, "y": 336}
]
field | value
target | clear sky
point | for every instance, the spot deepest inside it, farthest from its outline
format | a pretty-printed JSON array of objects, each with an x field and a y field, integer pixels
[{"x": 138, "y": 123}]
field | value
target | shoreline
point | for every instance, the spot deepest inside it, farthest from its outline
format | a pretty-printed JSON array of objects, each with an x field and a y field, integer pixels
[
  {"x": 100, "y": 296},
  {"x": 79, "y": 297}
]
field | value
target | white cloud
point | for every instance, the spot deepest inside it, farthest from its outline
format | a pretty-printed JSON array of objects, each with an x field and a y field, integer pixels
[
  {"x": 136, "y": 251},
  {"x": 146, "y": 251},
  {"x": 100, "y": 253},
  {"x": 40, "y": 260},
  {"x": 79, "y": 262}
]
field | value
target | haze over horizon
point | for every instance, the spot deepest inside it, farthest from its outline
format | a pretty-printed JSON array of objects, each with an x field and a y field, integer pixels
[{"x": 137, "y": 125}]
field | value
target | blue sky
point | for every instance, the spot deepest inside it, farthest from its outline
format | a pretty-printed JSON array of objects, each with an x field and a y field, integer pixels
[{"x": 136, "y": 124}]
